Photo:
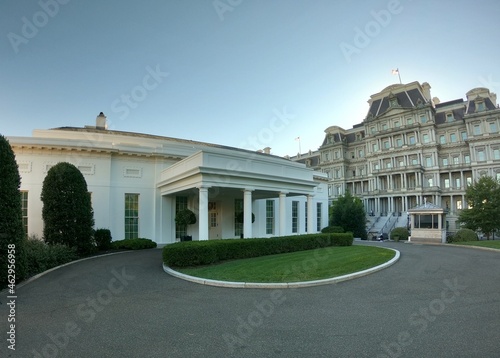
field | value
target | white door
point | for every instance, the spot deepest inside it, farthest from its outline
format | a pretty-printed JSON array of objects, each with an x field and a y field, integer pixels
[{"x": 214, "y": 227}]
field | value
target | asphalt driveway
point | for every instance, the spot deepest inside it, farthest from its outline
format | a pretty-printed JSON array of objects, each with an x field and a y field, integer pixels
[{"x": 434, "y": 302}]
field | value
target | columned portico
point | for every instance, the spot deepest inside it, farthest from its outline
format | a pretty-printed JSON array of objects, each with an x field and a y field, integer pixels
[
  {"x": 282, "y": 213},
  {"x": 247, "y": 213},
  {"x": 203, "y": 213},
  {"x": 310, "y": 222}
]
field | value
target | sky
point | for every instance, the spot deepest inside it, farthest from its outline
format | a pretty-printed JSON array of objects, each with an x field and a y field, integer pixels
[{"x": 242, "y": 73}]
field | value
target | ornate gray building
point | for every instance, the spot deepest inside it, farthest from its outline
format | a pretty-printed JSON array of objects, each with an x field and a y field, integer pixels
[{"x": 412, "y": 149}]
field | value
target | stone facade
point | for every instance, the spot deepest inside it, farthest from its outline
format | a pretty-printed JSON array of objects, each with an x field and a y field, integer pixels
[{"x": 412, "y": 148}]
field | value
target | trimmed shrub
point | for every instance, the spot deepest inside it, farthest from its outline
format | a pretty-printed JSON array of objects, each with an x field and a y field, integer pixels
[
  {"x": 193, "y": 253},
  {"x": 67, "y": 209},
  {"x": 332, "y": 229},
  {"x": 103, "y": 239},
  {"x": 241, "y": 216},
  {"x": 463, "y": 235},
  {"x": 12, "y": 235},
  {"x": 399, "y": 233},
  {"x": 42, "y": 257},
  {"x": 133, "y": 244},
  {"x": 185, "y": 217}
]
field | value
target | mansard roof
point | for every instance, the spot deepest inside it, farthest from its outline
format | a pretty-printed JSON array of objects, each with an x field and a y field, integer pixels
[
  {"x": 471, "y": 105},
  {"x": 405, "y": 99},
  {"x": 458, "y": 114}
]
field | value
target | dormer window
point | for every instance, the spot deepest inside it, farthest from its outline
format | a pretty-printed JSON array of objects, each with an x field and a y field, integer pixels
[
  {"x": 393, "y": 101},
  {"x": 480, "y": 106},
  {"x": 449, "y": 117}
]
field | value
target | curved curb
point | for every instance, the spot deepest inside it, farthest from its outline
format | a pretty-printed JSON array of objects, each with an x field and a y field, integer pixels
[
  {"x": 37, "y": 276},
  {"x": 484, "y": 248},
  {"x": 326, "y": 281}
]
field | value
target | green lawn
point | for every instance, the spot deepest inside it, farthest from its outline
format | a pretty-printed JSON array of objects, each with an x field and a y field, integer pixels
[
  {"x": 494, "y": 244},
  {"x": 296, "y": 266}
]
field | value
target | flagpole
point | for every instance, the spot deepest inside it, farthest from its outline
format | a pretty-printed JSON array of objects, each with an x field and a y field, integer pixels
[
  {"x": 399, "y": 75},
  {"x": 300, "y": 150}
]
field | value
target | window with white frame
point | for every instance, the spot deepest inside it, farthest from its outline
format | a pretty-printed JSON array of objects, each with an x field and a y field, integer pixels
[
  {"x": 131, "y": 216},
  {"x": 445, "y": 161},
  {"x": 464, "y": 136},
  {"x": 496, "y": 154},
  {"x": 425, "y": 138},
  {"x": 399, "y": 142},
  {"x": 493, "y": 127},
  {"x": 423, "y": 118},
  {"x": 318, "y": 216},
  {"x": 449, "y": 117},
  {"x": 453, "y": 137},
  {"x": 480, "y": 155},
  {"x": 467, "y": 159},
  {"x": 269, "y": 217},
  {"x": 238, "y": 210},
  {"x": 24, "y": 210},
  {"x": 295, "y": 216},
  {"x": 447, "y": 183},
  {"x": 477, "y": 129},
  {"x": 456, "y": 160},
  {"x": 411, "y": 140},
  {"x": 428, "y": 162},
  {"x": 442, "y": 139}
]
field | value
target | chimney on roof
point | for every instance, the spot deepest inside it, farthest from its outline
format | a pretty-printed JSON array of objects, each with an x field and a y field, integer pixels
[
  {"x": 267, "y": 150},
  {"x": 427, "y": 91},
  {"x": 100, "y": 121}
]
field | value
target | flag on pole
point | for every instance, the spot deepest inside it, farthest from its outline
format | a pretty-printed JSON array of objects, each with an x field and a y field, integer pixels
[
  {"x": 396, "y": 72},
  {"x": 298, "y": 138}
]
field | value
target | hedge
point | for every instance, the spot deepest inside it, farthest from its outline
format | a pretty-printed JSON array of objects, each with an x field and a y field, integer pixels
[
  {"x": 133, "y": 244},
  {"x": 41, "y": 256},
  {"x": 332, "y": 229},
  {"x": 463, "y": 235},
  {"x": 195, "y": 253},
  {"x": 399, "y": 233}
]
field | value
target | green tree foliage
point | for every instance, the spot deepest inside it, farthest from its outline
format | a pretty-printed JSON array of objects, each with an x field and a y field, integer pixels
[
  {"x": 483, "y": 198},
  {"x": 399, "y": 233},
  {"x": 348, "y": 212},
  {"x": 67, "y": 211},
  {"x": 12, "y": 235}
]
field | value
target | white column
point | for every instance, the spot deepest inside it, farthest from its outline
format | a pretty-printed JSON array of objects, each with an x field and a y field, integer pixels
[
  {"x": 282, "y": 215},
  {"x": 310, "y": 215},
  {"x": 203, "y": 214},
  {"x": 247, "y": 213}
]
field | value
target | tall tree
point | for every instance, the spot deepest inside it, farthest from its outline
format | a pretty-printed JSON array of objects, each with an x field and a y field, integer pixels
[
  {"x": 67, "y": 210},
  {"x": 12, "y": 235},
  {"x": 483, "y": 213},
  {"x": 348, "y": 212}
]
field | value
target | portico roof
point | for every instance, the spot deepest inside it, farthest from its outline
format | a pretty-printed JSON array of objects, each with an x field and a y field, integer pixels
[{"x": 217, "y": 167}]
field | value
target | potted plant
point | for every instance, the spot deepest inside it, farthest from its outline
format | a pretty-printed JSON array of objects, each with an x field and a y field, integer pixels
[
  {"x": 183, "y": 218},
  {"x": 240, "y": 216}
]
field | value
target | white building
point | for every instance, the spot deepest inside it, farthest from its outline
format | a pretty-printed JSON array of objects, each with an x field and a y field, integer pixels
[{"x": 138, "y": 182}]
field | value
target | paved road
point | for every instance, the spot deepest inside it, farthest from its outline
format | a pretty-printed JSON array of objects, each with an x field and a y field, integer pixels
[{"x": 435, "y": 302}]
